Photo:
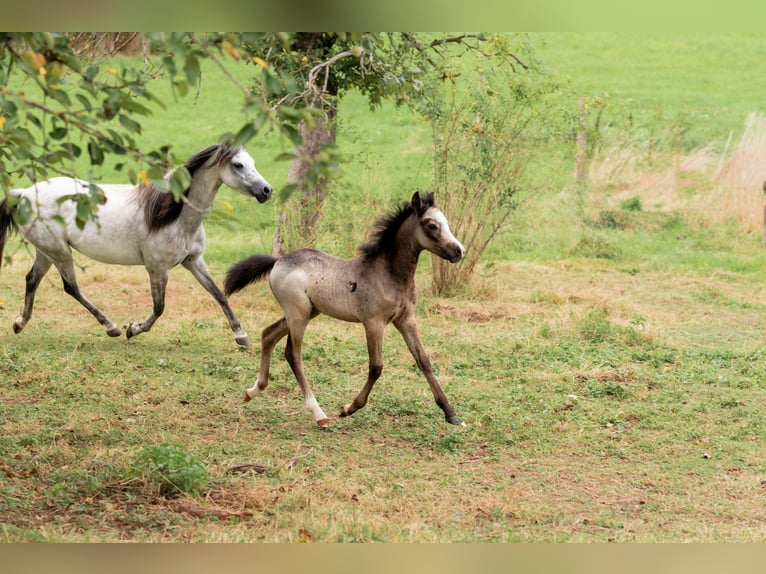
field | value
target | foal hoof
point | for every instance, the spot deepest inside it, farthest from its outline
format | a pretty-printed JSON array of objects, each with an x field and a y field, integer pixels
[
  {"x": 114, "y": 331},
  {"x": 248, "y": 398},
  {"x": 453, "y": 420},
  {"x": 324, "y": 423},
  {"x": 18, "y": 326},
  {"x": 243, "y": 340}
]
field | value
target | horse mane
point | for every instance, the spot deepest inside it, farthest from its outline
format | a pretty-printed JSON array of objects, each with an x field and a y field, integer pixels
[
  {"x": 385, "y": 228},
  {"x": 160, "y": 208},
  {"x": 383, "y": 238}
]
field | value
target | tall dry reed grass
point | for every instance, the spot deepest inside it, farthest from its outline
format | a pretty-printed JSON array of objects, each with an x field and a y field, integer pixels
[
  {"x": 739, "y": 182},
  {"x": 708, "y": 185}
]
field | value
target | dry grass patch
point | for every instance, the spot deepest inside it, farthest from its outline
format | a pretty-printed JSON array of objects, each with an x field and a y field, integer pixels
[{"x": 711, "y": 186}]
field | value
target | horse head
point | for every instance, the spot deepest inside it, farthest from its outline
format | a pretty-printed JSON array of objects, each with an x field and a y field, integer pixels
[
  {"x": 434, "y": 233},
  {"x": 239, "y": 173}
]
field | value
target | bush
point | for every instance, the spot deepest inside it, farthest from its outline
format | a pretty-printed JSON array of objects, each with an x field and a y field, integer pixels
[
  {"x": 171, "y": 469},
  {"x": 485, "y": 135},
  {"x": 631, "y": 204}
]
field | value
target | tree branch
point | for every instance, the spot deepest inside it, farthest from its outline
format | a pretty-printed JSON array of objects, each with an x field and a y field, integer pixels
[{"x": 314, "y": 72}]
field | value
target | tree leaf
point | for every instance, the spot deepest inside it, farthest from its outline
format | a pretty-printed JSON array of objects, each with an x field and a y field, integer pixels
[
  {"x": 95, "y": 152},
  {"x": 244, "y": 134},
  {"x": 129, "y": 124},
  {"x": 58, "y": 133},
  {"x": 182, "y": 87},
  {"x": 192, "y": 69}
]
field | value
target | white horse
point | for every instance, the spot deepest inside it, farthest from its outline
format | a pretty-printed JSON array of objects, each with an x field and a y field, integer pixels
[{"x": 136, "y": 225}]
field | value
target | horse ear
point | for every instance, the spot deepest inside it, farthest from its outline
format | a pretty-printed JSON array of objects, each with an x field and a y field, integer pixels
[
  {"x": 417, "y": 204},
  {"x": 421, "y": 203}
]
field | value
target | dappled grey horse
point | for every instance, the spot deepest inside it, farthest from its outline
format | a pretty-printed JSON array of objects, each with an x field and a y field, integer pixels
[
  {"x": 374, "y": 289},
  {"x": 136, "y": 225}
]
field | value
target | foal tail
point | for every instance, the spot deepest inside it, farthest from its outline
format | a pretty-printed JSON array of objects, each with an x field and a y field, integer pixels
[
  {"x": 249, "y": 270},
  {"x": 7, "y": 223}
]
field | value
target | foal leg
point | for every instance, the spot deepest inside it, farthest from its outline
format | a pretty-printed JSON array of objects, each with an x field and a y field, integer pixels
[
  {"x": 409, "y": 331},
  {"x": 270, "y": 336},
  {"x": 66, "y": 269},
  {"x": 158, "y": 281},
  {"x": 294, "y": 356},
  {"x": 197, "y": 267},
  {"x": 374, "y": 335},
  {"x": 39, "y": 268}
]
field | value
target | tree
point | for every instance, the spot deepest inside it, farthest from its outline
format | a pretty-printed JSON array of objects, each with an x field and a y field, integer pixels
[
  {"x": 71, "y": 105},
  {"x": 58, "y": 103},
  {"x": 54, "y": 107},
  {"x": 304, "y": 75}
]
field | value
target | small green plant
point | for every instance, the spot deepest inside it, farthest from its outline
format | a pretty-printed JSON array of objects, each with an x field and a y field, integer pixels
[
  {"x": 595, "y": 246},
  {"x": 631, "y": 204},
  {"x": 596, "y": 326},
  {"x": 172, "y": 468}
]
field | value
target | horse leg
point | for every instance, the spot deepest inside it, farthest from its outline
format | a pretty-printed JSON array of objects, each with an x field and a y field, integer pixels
[
  {"x": 197, "y": 267},
  {"x": 39, "y": 268},
  {"x": 158, "y": 281},
  {"x": 66, "y": 270},
  {"x": 408, "y": 328},
  {"x": 270, "y": 336},
  {"x": 374, "y": 335},
  {"x": 294, "y": 355}
]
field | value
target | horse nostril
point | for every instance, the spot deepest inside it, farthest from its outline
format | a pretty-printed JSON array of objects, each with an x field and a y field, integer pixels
[{"x": 267, "y": 190}]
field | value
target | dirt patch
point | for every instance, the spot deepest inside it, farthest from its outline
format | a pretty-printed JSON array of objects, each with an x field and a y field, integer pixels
[{"x": 483, "y": 312}]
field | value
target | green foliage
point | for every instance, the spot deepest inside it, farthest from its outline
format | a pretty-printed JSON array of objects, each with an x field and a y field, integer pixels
[
  {"x": 171, "y": 468},
  {"x": 485, "y": 134},
  {"x": 304, "y": 75},
  {"x": 606, "y": 399},
  {"x": 53, "y": 102},
  {"x": 57, "y": 106},
  {"x": 631, "y": 204}
]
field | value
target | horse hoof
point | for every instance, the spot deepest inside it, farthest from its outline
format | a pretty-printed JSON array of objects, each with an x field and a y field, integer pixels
[
  {"x": 243, "y": 340},
  {"x": 131, "y": 331},
  {"x": 324, "y": 423},
  {"x": 248, "y": 398},
  {"x": 114, "y": 332},
  {"x": 453, "y": 420},
  {"x": 17, "y": 327},
  {"x": 344, "y": 412}
]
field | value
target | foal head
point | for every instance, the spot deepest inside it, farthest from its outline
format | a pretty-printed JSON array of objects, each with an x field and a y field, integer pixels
[
  {"x": 433, "y": 232},
  {"x": 239, "y": 173}
]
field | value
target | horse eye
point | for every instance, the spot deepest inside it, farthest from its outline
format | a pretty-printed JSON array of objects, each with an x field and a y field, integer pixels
[
  {"x": 433, "y": 226},
  {"x": 237, "y": 165}
]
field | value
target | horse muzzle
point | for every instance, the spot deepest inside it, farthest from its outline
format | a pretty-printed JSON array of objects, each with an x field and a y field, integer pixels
[
  {"x": 263, "y": 193},
  {"x": 453, "y": 252}
]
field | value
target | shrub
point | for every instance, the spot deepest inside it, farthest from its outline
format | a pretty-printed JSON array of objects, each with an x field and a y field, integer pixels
[
  {"x": 485, "y": 134},
  {"x": 631, "y": 204},
  {"x": 171, "y": 469}
]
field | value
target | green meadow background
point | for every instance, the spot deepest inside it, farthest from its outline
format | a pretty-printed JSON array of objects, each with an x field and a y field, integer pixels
[{"x": 607, "y": 358}]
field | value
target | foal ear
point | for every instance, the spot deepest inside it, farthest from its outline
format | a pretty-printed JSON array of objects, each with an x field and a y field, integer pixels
[{"x": 421, "y": 203}]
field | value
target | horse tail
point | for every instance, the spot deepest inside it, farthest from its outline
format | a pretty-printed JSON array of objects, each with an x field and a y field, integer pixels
[
  {"x": 7, "y": 223},
  {"x": 249, "y": 270}
]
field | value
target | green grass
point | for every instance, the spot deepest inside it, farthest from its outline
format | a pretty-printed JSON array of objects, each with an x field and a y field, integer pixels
[
  {"x": 608, "y": 362},
  {"x": 677, "y": 88}
]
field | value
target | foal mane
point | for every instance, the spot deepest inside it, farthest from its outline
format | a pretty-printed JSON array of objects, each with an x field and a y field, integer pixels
[
  {"x": 383, "y": 239},
  {"x": 160, "y": 208}
]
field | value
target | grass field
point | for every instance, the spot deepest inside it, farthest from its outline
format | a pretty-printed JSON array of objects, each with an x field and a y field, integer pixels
[{"x": 608, "y": 359}]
